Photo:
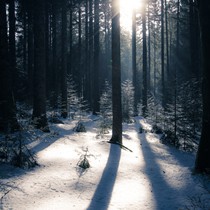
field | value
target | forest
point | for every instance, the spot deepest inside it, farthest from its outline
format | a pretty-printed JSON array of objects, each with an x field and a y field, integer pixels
[{"x": 78, "y": 74}]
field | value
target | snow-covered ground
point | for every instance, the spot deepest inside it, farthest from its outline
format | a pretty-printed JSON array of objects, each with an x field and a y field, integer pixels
[{"x": 153, "y": 176}]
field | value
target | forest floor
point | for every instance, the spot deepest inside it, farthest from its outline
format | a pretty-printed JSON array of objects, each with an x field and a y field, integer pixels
[{"x": 152, "y": 176}]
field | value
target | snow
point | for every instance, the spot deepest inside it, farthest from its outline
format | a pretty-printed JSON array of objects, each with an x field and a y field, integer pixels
[{"x": 153, "y": 176}]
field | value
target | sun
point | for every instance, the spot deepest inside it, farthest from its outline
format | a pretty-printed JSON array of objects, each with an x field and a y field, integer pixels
[{"x": 126, "y": 9}]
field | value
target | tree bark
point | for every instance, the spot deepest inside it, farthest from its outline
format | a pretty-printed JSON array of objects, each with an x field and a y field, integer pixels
[
  {"x": 12, "y": 50},
  {"x": 134, "y": 62},
  {"x": 91, "y": 43},
  {"x": 96, "y": 91},
  {"x": 8, "y": 120},
  {"x": 116, "y": 74},
  {"x": 144, "y": 89},
  {"x": 64, "y": 61},
  {"x": 202, "y": 163},
  {"x": 162, "y": 54},
  {"x": 194, "y": 39},
  {"x": 39, "y": 102}
]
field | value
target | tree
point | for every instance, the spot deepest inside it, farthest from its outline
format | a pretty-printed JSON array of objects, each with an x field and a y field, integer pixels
[
  {"x": 96, "y": 95},
  {"x": 202, "y": 163},
  {"x": 144, "y": 89},
  {"x": 194, "y": 39},
  {"x": 54, "y": 76},
  {"x": 127, "y": 101},
  {"x": 116, "y": 74},
  {"x": 64, "y": 62},
  {"x": 8, "y": 121},
  {"x": 134, "y": 60},
  {"x": 162, "y": 54},
  {"x": 12, "y": 50},
  {"x": 39, "y": 97}
]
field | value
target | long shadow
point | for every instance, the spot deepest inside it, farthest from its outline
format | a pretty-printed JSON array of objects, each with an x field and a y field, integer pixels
[
  {"x": 46, "y": 143},
  {"x": 8, "y": 171},
  {"x": 103, "y": 193},
  {"x": 49, "y": 140},
  {"x": 181, "y": 159},
  {"x": 165, "y": 195}
]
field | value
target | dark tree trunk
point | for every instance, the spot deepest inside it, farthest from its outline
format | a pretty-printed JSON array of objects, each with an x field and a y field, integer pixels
[
  {"x": 30, "y": 51},
  {"x": 24, "y": 18},
  {"x": 167, "y": 40},
  {"x": 144, "y": 89},
  {"x": 175, "y": 71},
  {"x": 39, "y": 102},
  {"x": 202, "y": 163},
  {"x": 107, "y": 41},
  {"x": 12, "y": 50},
  {"x": 70, "y": 37},
  {"x": 47, "y": 46},
  {"x": 54, "y": 84},
  {"x": 149, "y": 51},
  {"x": 86, "y": 67},
  {"x": 64, "y": 61},
  {"x": 96, "y": 91},
  {"x": 8, "y": 121},
  {"x": 91, "y": 43},
  {"x": 154, "y": 64},
  {"x": 134, "y": 62},
  {"x": 194, "y": 39},
  {"x": 116, "y": 75},
  {"x": 162, "y": 54},
  {"x": 79, "y": 72}
]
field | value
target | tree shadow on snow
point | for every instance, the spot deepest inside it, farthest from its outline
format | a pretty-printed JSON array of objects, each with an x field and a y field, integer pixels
[
  {"x": 174, "y": 152},
  {"x": 48, "y": 139},
  {"x": 103, "y": 193},
  {"x": 165, "y": 194}
]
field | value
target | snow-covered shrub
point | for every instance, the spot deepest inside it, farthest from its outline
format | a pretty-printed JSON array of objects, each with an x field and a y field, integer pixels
[
  {"x": 189, "y": 114},
  {"x": 156, "y": 115},
  {"x": 156, "y": 129},
  {"x": 72, "y": 96},
  {"x": 183, "y": 116},
  {"x": 80, "y": 113},
  {"x": 105, "y": 110},
  {"x": 14, "y": 150},
  {"x": 127, "y": 101},
  {"x": 79, "y": 127},
  {"x": 83, "y": 161}
]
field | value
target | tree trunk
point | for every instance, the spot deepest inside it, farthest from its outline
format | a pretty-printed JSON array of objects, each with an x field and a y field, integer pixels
[
  {"x": 134, "y": 62},
  {"x": 39, "y": 102},
  {"x": 116, "y": 74},
  {"x": 175, "y": 73},
  {"x": 86, "y": 67},
  {"x": 79, "y": 72},
  {"x": 91, "y": 43},
  {"x": 47, "y": 46},
  {"x": 162, "y": 55},
  {"x": 8, "y": 120},
  {"x": 12, "y": 50},
  {"x": 30, "y": 51},
  {"x": 70, "y": 38},
  {"x": 144, "y": 89},
  {"x": 96, "y": 91},
  {"x": 194, "y": 40},
  {"x": 202, "y": 163},
  {"x": 54, "y": 83},
  {"x": 149, "y": 51},
  {"x": 167, "y": 41},
  {"x": 64, "y": 61}
]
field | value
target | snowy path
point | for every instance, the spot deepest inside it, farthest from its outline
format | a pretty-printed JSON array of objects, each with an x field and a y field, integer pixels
[{"x": 153, "y": 176}]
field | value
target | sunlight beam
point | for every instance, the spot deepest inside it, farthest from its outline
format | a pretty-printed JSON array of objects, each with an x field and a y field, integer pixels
[{"x": 126, "y": 9}]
